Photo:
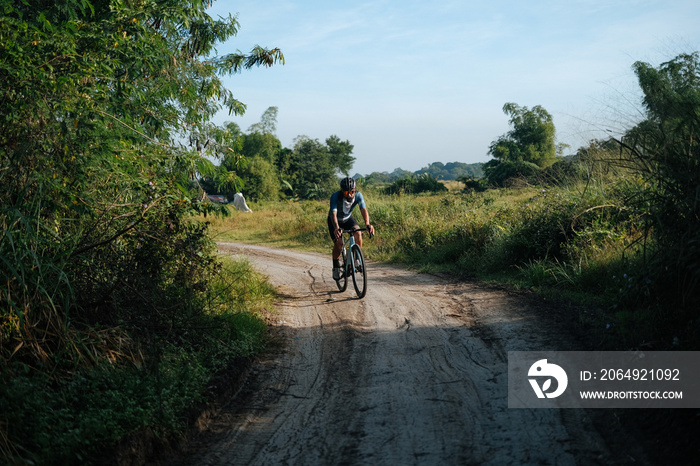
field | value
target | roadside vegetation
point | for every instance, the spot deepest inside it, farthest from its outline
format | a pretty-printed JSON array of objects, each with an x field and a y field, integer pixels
[
  {"x": 570, "y": 242},
  {"x": 579, "y": 242},
  {"x": 115, "y": 309}
]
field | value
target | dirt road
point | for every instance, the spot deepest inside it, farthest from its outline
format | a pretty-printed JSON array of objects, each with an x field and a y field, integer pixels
[{"x": 414, "y": 373}]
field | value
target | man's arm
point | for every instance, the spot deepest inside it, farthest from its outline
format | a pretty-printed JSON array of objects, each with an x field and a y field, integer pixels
[
  {"x": 333, "y": 214},
  {"x": 334, "y": 223},
  {"x": 365, "y": 217}
]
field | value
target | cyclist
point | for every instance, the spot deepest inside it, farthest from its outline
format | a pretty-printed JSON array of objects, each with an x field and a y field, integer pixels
[{"x": 340, "y": 218}]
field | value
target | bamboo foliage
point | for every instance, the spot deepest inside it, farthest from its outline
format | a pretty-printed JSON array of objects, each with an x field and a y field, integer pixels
[{"x": 94, "y": 97}]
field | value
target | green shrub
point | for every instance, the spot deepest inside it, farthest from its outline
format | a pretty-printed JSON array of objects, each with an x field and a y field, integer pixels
[
  {"x": 69, "y": 420},
  {"x": 562, "y": 172},
  {"x": 472, "y": 184},
  {"x": 502, "y": 173},
  {"x": 416, "y": 184}
]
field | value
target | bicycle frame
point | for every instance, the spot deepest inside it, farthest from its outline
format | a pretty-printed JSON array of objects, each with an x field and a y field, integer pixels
[
  {"x": 353, "y": 265},
  {"x": 347, "y": 249}
]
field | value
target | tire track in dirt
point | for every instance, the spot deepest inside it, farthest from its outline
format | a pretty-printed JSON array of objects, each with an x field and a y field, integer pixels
[{"x": 414, "y": 373}]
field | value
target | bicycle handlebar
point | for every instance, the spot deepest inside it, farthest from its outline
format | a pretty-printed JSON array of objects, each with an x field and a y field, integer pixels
[{"x": 358, "y": 229}]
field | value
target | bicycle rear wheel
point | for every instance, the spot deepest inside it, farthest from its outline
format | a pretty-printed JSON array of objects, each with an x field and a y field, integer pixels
[
  {"x": 359, "y": 277},
  {"x": 342, "y": 282}
]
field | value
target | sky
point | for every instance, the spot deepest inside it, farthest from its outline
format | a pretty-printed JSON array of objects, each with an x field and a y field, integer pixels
[{"x": 412, "y": 82}]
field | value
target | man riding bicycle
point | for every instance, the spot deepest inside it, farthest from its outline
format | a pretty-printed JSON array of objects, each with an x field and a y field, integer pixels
[{"x": 340, "y": 218}]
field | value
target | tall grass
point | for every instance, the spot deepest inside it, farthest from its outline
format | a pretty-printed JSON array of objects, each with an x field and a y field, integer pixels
[
  {"x": 578, "y": 233},
  {"x": 581, "y": 241}
]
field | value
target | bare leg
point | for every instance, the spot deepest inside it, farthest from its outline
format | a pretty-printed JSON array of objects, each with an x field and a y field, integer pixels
[
  {"x": 358, "y": 238},
  {"x": 337, "y": 248}
]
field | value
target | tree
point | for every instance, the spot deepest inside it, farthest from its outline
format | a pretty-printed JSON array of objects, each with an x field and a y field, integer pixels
[
  {"x": 265, "y": 146},
  {"x": 664, "y": 150},
  {"x": 531, "y": 139},
  {"x": 452, "y": 170},
  {"x": 261, "y": 180},
  {"x": 95, "y": 187},
  {"x": 267, "y": 123},
  {"x": 435, "y": 169},
  {"x": 339, "y": 152},
  {"x": 250, "y": 166},
  {"x": 261, "y": 140},
  {"x": 102, "y": 261},
  {"x": 399, "y": 173},
  {"x": 310, "y": 169}
]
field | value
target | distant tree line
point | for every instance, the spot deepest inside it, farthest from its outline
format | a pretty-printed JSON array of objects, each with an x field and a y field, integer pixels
[
  {"x": 526, "y": 152},
  {"x": 257, "y": 165},
  {"x": 437, "y": 170}
]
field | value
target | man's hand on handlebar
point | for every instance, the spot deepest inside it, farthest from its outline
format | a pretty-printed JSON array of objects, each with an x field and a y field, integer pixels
[{"x": 339, "y": 232}]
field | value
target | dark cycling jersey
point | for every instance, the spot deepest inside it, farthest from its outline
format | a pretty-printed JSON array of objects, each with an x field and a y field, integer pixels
[{"x": 343, "y": 207}]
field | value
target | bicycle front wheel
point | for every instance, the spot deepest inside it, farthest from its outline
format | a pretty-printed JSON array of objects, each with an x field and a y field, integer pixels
[
  {"x": 359, "y": 277},
  {"x": 342, "y": 282}
]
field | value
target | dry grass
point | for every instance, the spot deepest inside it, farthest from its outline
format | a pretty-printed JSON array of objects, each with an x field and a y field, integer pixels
[
  {"x": 286, "y": 224},
  {"x": 453, "y": 186}
]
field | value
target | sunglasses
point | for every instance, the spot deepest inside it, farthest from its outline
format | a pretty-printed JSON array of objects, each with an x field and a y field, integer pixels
[{"x": 349, "y": 193}]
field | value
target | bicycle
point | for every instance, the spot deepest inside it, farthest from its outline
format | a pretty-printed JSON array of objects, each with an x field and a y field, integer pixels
[{"x": 353, "y": 264}]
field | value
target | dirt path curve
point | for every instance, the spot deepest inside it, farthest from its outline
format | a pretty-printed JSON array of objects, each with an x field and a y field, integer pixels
[{"x": 414, "y": 373}]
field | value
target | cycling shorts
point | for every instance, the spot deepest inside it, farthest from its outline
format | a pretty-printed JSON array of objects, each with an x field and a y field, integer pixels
[{"x": 349, "y": 224}]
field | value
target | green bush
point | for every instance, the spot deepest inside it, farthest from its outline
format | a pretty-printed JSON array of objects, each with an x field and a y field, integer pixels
[
  {"x": 502, "y": 173},
  {"x": 562, "y": 172},
  {"x": 472, "y": 184},
  {"x": 69, "y": 420},
  {"x": 415, "y": 184}
]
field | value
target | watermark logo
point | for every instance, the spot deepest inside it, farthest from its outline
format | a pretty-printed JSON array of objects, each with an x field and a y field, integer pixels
[
  {"x": 603, "y": 379},
  {"x": 546, "y": 372}
]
